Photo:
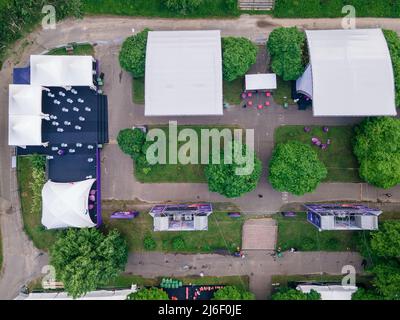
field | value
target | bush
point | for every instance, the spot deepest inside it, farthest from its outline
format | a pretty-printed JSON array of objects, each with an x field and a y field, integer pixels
[
  {"x": 295, "y": 168},
  {"x": 132, "y": 56},
  {"x": 386, "y": 241},
  {"x": 37, "y": 183},
  {"x": 183, "y": 6},
  {"x": 38, "y": 161},
  {"x": 294, "y": 294},
  {"x": 131, "y": 141},
  {"x": 363, "y": 294},
  {"x": 377, "y": 148},
  {"x": 178, "y": 244},
  {"x": 226, "y": 180},
  {"x": 149, "y": 243},
  {"x": 287, "y": 48},
  {"x": 233, "y": 293},
  {"x": 149, "y": 294},
  {"x": 393, "y": 41},
  {"x": 238, "y": 54}
]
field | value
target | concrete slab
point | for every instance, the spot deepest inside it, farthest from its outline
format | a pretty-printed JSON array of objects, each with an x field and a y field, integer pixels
[{"x": 259, "y": 234}]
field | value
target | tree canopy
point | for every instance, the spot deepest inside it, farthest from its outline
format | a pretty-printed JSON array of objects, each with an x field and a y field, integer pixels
[
  {"x": 387, "y": 280},
  {"x": 224, "y": 178},
  {"x": 295, "y": 168},
  {"x": 238, "y": 54},
  {"x": 85, "y": 259},
  {"x": 287, "y": 48},
  {"x": 233, "y": 293},
  {"x": 293, "y": 294},
  {"x": 149, "y": 294},
  {"x": 182, "y": 6},
  {"x": 131, "y": 141},
  {"x": 393, "y": 41},
  {"x": 377, "y": 148},
  {"x": 132, "y": 56},
  {"x": 386, "y": 241}
]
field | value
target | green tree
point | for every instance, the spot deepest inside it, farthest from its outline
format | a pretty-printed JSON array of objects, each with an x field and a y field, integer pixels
[
  {"x": 377, "y": 148},
  {"x": 228, "y": 179},
  {"x": 363, "y": 294},
  {"x": 131, "y": 141},
  {"x": 85, "y": 259},
  {"x": 293, "y": 294},
  {"x": 387, "y": 280},
  {"x": 287, "y": 48},
  {"x": 295, "y": 168},
  {"x": 183, "y": 6},
  {"x": 132, "y": 56},
  {"x": 238, "y": 54},
  {"x": 386, "y": 241},
  {"x": 149, "y": 294},
  {"x": 393, "y": 41},
  {"x": 233, "y": 293}
]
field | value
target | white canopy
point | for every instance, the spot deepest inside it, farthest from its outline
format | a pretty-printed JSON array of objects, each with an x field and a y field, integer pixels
[
  {"x": 334, "y": 292},
  {"x": 66, "y": 204},
  {"x": 183, "y": 73},
  {"x": 59, "y": 71},
  {"x": 352, "y": 73},
  {"x": 304, "y": 84},
  {"x": 261, "y": 81},
  {"x": 25, "y": 115}
]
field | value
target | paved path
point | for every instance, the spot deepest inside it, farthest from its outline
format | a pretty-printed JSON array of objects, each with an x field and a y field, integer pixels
[
  {"x": 108, "y": 33},
  {"x": 258, "y": 265}
]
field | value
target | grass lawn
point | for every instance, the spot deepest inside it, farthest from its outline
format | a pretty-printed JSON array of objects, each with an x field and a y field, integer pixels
[
  {"x": 42, "y": 238},
  {"x": 283, "y": 93},
  {"x": 296, "y": 232},
  {"x": 223, "y": 233},
  {"x": 85, "y": 49},
  {"x": 193, "y": 173},
  {"x": 338, "y": 158},
  {"x": 233, "y": 90},
  {"x": 138, "y": 90},
  {"x": 154, "y": 8}
]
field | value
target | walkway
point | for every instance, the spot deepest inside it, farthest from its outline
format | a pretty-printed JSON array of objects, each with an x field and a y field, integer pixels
[{"x": 258, "y": 265}]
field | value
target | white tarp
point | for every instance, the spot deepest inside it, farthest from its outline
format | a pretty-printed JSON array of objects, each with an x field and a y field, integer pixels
[
  {"x": 66, "y": 204},
  {"x": 261, "y": 81},
  {"x": 59, "y": 71},
  {"x": 304, "y": 84},
  {"x": 25, "y": 115},
  {"x": 352, "y": 73},
  {"x": 183, "y": 73},
  {"x": 334, "y": 292}
]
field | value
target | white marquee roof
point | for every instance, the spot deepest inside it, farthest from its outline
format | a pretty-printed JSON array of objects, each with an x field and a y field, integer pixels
[
  {"x": 59, "y": 71},
  {"x": 25, "y": 115},
  {"x": 92, "y": 295},
  {"x": 352, "y": 73},
  {"x": 334, "y": 292},
  {"x": 261, "y": 81},
  {"x": 183, "y": 73},
  {"x": 66, "y": 204}
]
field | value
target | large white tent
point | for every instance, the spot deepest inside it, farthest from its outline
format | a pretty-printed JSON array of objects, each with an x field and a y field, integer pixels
[
  {"x": 59, "y": 71},
  {"x": 183, "y": 73},
  {"x": 66, "y": 204},
  {"x": 261, "y": 81},
  {"x": 333, "y": 292},
  {"x": 25, "y": 115},
  {"x": 351, "y": 73}
]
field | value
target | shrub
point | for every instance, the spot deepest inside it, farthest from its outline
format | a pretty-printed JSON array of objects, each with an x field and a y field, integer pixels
[
  {"x": 386, "y": 241},
  {"x": 178, "y": 244},
  {"x": 38, "y": 161},
  {"x": 295, "y": 168},
  {"x": 377, "y": 148},
  {"x": 294, "y": 294},
  {"x": 37, "y": 183},
  {"x": 132, "y": 56},
  {"x": 149, "y": 294},
  {"x": 238, "y": 54},
  {"x": 183, "y": 6},
  {"x": 233, "y": 293},
  {"x": 149, "y": 243},
  {"x": 393, "y": 41},
  {"x": 131, "y": 141},
  {"x": 287, "y": 48}
]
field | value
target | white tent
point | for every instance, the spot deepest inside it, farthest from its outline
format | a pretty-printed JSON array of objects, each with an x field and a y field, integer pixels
[
  {"x": 59, "y": 71},
  {"x": 261, "y": 81},
  {"x": 334, "y": 292},
  {"x": 304, "y": 84},
  {"x": 352, "y": 73},
  {"x": 66, "y": 204},
  {"x": 25, "y": 115},
  {"x": 183, "y": 73}
]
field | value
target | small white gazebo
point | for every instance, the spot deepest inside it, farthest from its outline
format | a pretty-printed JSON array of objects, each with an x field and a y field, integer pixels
[
  {"x": 261, "y": 81},
  {"x": 66, "y": 204},
  {"x": 25, "y": 115}
]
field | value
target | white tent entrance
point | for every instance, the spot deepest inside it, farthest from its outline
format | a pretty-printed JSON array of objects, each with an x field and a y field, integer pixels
[{"x": 67, "y": 205}]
